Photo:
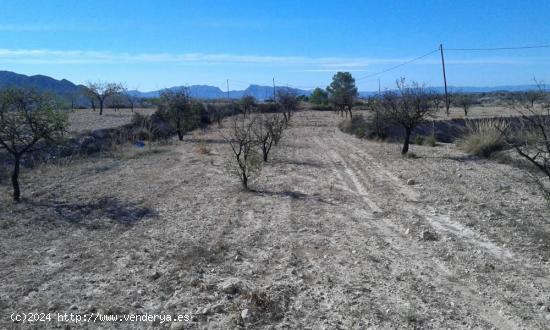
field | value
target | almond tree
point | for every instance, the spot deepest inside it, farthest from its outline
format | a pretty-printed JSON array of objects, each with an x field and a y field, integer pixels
[
  {"x": 177, "y": 106},
  {"x": 288, "y": 102},
  {"x": 247, "y": 103},
  {"x": 463, "y": 100},
  {"x": 27, "y": 119},
  {"x": 245, "y": 162},
  {"x": 268, "y": 129},
  {"x": 100, "y": 91},
  {"x": 409, "y": 106},
  {"x": 531, "y": 139}
]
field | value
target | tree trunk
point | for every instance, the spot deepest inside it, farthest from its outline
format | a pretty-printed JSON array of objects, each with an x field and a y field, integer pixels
[
  {"x": 264, "y": 149},
  {"x": 180, "y": 135},
  {"x": 100, "y": 107},
  {"x": 245, "y": 181},
  {"x": 407, "y": 140},
  {"x": 350, "y": 114},
  {"x": 15, "y": 180},
  {"x": 93, "y": 104}
]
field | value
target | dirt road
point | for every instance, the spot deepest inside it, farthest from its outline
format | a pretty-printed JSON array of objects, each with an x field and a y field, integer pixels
[{"x": 340, "y": 233}]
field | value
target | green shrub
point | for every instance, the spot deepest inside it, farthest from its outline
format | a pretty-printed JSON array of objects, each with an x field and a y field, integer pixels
[
  {"x": 360, "y": 132},
  {"x": 483, "y": 137},
  {"x": 419, "y": 140}
]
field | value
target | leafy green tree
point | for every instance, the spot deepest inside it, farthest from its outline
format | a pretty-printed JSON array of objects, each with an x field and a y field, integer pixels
[
  {"x": 319, "y": 96},
  {"x": 27, "y": 119},
  {"x": 343, "y": 92}
]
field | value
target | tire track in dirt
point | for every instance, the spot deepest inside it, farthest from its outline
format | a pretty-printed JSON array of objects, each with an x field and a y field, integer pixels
[
  {"x": 358, "y": 174},
  {"x": 441, "y": 223}
]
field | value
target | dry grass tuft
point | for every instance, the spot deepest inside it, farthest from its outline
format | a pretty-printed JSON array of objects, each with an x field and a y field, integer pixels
[
  {"x": 484, "y": 137},
  {"x": 202, "y": 149}
]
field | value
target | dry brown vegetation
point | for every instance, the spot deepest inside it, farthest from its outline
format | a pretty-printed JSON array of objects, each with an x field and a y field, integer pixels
[{"x": 339, "y": 232}]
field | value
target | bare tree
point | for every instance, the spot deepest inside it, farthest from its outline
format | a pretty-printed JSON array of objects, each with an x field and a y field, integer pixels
[
  {"x": 464, "y": 101},
  {"x": 216, "y": 113},
  {"x": 531, "y": 139},
  {"x": 247, "y": 103},
  {"x": 268, "y": 129},
  {"x": 27, "y": 118},
  {"x": 100, "y": 91},
  {"x": 377, "y": 124},
  {"x": 288, "y": 103},
  {"x": 245, "y": 162},
  {"x": 532, "y": 97},
  {"x": 117, "y": 101},
  {"x": 408, "y": 107},
  {"x": 131, "y": 98}
]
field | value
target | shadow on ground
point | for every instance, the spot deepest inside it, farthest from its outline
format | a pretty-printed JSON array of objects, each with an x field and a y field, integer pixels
[
  {"x": 292, "y": 194},
  {"x": 121, "y": 212},
  {"x": 300, "y": 163}
]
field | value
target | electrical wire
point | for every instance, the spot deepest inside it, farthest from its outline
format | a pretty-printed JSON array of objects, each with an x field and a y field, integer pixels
[
  {"x": 497, "y": 48},
  {"x": 398, "y": 66}
]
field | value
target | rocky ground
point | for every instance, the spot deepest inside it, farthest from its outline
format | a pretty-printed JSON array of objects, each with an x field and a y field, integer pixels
[{"x": 338, "y": 233}]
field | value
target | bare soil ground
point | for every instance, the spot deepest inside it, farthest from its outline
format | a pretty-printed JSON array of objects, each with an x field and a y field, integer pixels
[
  {"x": 334, "y": 236},
  {"x": 478, "y": 112},
  {"x": 86, "y": 119}
]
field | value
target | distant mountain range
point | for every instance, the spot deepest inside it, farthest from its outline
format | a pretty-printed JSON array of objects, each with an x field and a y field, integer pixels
[
  {"x": 44, "y": 83},
  {"x": 212, "y": 92},
  {"x": 64, "y": 88}
]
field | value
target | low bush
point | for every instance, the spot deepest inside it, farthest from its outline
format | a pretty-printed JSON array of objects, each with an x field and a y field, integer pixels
[
  {"x": 268, "y": 107},
  {"x": 430, "y": 141},
  {"x": 322, "y": 107},
  {"x": 370, "y": 128},
  {"x": 484, "y": 137},
  {"x": 419, "y": 140}
]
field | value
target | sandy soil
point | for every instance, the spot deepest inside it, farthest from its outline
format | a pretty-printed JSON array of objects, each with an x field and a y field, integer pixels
[{"x": 334, "y": 236}]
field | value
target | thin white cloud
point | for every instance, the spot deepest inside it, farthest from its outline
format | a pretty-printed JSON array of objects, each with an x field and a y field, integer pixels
[
  {"x": 49, "y": 28},
  {"x": 336, "y": 69},
  {"x": 313, "y": 64},
  {"x": 44, "y": 56}
]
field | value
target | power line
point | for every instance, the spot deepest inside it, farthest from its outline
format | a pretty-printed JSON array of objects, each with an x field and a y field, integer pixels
[
  {"x": 498, "y": 48},
  {"x": 398, "y": 66}
]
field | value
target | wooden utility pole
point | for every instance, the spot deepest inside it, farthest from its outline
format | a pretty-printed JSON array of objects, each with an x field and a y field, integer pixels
[
  {"x": 227, "y": 90},
  {"x": 379, "y": 93},
  {"x": 444, "y": 79}
]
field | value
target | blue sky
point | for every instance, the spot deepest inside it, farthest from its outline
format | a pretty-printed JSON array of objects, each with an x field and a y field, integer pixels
[{"x": 156, "y": 44}]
